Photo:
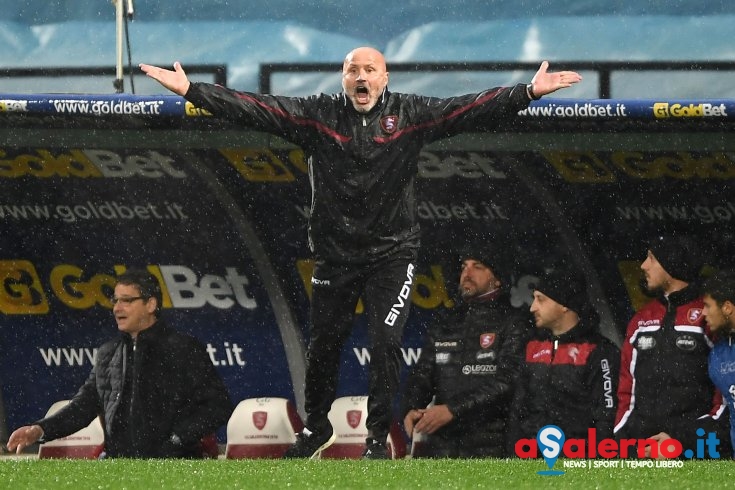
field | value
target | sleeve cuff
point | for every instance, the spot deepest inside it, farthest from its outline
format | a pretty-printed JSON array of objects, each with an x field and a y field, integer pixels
[{"x": 531, "y": 94}]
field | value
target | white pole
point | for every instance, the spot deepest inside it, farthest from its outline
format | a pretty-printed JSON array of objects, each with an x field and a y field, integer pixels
[{"x": 119, "y": 82}]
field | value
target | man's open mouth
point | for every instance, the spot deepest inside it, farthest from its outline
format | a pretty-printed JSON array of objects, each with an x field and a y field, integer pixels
[{"x": 362, "y": 94}]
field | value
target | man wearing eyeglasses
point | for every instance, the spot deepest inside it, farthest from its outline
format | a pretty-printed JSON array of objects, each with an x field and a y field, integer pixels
[{"x": 156, "y": 389}]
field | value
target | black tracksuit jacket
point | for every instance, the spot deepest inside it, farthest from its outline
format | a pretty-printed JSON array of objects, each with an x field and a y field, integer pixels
[
  {"x": 362, "y": 167},
  {"x": 469, "y": 362},
  {"x": 664, "y": 381},
  {"x": 569, "y": 381}
]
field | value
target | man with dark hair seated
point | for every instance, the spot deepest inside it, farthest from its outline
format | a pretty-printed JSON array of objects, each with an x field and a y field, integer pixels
[
  {"x": 155, "y": 388},
  {"x": 468, "y": 365}
]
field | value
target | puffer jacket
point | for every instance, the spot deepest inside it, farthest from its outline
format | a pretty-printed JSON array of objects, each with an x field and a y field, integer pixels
[{"x": 172, "y": 399}]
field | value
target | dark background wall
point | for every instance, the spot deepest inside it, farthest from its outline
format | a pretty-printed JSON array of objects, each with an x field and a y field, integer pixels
[{"x": 219, "y": 214}]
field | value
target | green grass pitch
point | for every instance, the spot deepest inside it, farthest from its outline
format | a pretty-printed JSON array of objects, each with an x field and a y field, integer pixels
[{"x": 25, "y": 473}]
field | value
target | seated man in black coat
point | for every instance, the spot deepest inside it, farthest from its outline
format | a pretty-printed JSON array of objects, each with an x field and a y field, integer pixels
[
  {"x": 570, "y": 371},
  {"x": 468, "y": 365},
  {"x": 155, "y": 388}
]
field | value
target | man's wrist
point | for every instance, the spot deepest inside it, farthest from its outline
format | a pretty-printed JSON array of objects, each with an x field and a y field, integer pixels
[
  {"x": 186, "y": 90},
  {"x": 531, "y": 94},
  {"x": 37, "y": 429}
]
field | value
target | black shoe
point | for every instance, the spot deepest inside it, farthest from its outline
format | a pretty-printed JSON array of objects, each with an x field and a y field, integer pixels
[
  {"x": 374, "y": 449},
  {"x": 310, "y": 444}
]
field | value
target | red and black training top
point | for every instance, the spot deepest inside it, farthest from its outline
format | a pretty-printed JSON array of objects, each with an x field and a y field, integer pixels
[
  {"x": 362, "y": 166},
  {"x": 664, "y": 383},
  {"x": 569, "y": 381}
]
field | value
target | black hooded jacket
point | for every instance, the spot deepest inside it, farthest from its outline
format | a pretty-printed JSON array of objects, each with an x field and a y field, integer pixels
[{"x": 158, "y": 396}]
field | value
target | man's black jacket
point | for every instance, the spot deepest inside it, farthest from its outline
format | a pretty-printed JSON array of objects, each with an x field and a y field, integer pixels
[
  {"x": 172, "y": 399},
  {"x": 469, "y": 362},
  {"x": 362, "y": 167},
  {"x": 570, "y": 381}
]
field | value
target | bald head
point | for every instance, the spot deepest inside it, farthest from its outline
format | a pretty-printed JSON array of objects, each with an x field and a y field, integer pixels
[
  {"x": 364, "y": 77},
  {"x": 363, "y": 55}
]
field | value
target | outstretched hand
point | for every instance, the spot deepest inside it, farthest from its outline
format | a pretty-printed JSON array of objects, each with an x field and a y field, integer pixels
[
  {"x": 23, "y": 437},
  {"x": 545, "y": 82},
  {"x": 176, "y": 81}
]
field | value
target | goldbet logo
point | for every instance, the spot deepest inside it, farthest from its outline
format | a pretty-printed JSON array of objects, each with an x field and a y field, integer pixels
[
  {"x": 662, "y": 110},
  {"x": 194, "y": 111},
  {"x": 88, "y": 164},
  {"x": 13, "y": 106},
  {"x": 599, "y": 167},
  {"x": 266, "y": 165},
  {"x": 22, "y": 291}
]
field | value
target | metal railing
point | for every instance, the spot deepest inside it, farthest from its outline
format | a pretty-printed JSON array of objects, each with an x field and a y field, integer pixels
[
  {"x": 218, "y": 72},
  {"x": 604, "y": 69}
]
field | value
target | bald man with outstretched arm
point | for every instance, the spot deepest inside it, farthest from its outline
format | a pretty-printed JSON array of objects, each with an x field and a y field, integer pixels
[{"x": 362, "y": 146}]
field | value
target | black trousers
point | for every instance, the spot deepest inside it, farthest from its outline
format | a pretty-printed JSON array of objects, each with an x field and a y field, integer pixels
[{"x": 385, "y": 287}]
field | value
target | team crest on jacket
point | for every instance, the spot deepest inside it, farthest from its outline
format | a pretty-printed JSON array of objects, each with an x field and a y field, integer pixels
[
  {"x": 486, "y": 340},
  {"x": 694, "y": 314},
  {"x": 259, "y": 419},
  {"x": 389, "y": 124},
  {"x": 573, "y": 352}
]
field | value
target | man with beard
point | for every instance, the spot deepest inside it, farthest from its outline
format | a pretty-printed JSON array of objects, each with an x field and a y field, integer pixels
[
  {"x": 468, "y": 365},
  {"x": 362, "y": 148},
  {"x": 568, "y": 375},
  {"x": 664, "y": 390},
  {"x": 719, "y": 313}
]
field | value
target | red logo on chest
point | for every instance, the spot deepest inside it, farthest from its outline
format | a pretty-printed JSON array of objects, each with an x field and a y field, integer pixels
[
  {"x": 389, "y": 124},
  {"x": 486, "y": 340}
]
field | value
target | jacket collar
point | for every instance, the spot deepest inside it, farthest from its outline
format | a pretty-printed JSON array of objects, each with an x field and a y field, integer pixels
[
  {"x": 155, "y": 330},
  {"x": 581, "y": 330},
  {"x": 682, "y": 296},
  {"x": 494, "y": 299},
  {"x": 375, "y": 109},
  {"x": 487, "y": 297}
]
